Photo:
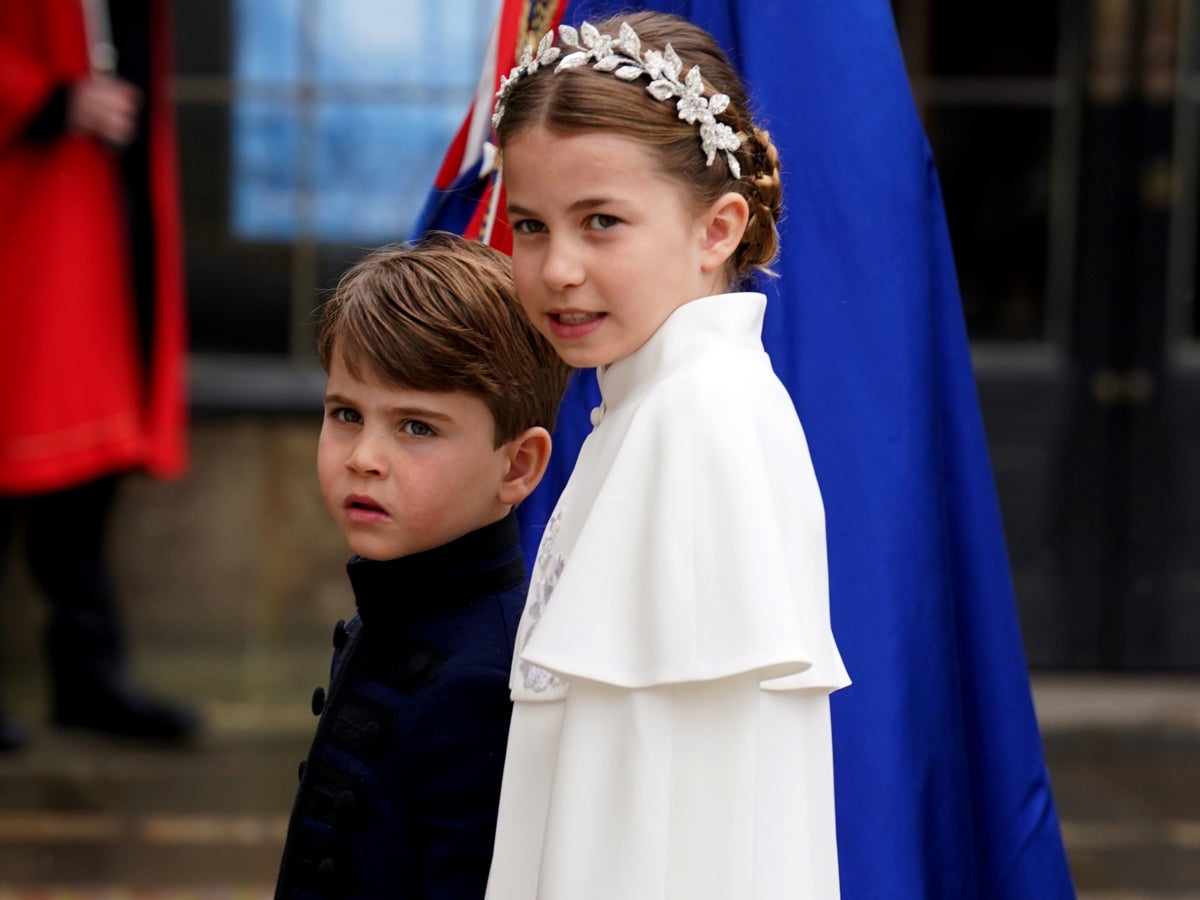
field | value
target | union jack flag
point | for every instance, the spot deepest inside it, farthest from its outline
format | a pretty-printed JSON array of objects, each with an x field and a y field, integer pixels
[{"x": 468, "y": 193}]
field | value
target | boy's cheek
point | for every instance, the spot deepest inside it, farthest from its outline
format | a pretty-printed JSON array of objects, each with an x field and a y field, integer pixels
[
  {"x": 328, "y": 468},
  {"x": 328, "y": 446}
]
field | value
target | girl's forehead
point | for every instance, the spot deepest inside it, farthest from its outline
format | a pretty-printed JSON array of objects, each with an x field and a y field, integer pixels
[
  {"x": 542, "y": 138},
  {"x": 540, "y": 156}
]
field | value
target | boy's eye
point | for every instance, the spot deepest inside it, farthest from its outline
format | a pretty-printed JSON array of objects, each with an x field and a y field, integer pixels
[
  {"x": 602, "y": 221},
  {"x": 417, "y": 428},
  {"x": 528, "y": 226},
  {"x": 345, "y": 415}
]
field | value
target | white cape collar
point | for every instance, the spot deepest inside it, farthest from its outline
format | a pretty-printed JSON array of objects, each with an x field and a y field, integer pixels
[{"x": 728, "y": 318}]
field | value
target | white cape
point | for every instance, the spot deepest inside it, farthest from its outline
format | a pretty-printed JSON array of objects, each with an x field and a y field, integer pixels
[{"x": 670, "y": 736}]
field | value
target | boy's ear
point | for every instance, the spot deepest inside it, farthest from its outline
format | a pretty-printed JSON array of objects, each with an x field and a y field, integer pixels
[
  {"x": 724, "y": 225},
  {"x": 527, "y": 455}
]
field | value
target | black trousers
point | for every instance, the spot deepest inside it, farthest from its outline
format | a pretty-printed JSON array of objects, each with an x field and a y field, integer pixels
[{"x": 65, "y": 542}]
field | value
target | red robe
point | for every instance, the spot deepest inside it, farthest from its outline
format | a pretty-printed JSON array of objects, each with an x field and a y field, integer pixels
[{"x": 75, "y": 402}]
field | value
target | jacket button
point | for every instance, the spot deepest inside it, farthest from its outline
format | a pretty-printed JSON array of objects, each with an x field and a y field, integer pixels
[
  {"x": 327, "y": 869},
  {"x": 339, "y": 634},
  {"x": 318, "y": 701},
  {"x": 300, "y": 769},
  {"x": 345, "y": 801},
  {"x": 371, "y": 733}
]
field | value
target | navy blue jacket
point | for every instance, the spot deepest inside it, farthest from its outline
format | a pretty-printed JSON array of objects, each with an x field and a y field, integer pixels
[{"x": 399, "y": 793}]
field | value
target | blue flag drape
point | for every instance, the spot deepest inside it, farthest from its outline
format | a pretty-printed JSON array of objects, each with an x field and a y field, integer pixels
[{"x": 942, "y": 791}]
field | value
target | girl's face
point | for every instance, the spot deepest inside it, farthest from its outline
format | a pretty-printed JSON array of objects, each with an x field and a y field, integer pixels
[{"x": 605, "y": 246}]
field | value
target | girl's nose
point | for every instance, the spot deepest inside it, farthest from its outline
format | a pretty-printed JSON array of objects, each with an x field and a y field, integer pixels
[{"x": 562, "y": 267}]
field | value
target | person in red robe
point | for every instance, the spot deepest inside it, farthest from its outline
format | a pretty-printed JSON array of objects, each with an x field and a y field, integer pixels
[{"x": 91, "y": 323}]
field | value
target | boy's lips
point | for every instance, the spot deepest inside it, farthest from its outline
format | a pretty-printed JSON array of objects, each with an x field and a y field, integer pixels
[{"x": 361, "y": 508}]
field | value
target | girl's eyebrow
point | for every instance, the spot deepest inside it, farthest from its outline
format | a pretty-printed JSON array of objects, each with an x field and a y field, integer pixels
[
  {"x": 591, "y": 203},
  {"x": 578, "y": 206}
]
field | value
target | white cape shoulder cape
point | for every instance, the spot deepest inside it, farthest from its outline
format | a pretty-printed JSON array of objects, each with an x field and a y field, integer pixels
[
  {"x": 691, "y": 535},
  {"x": 683, "y": 572}
]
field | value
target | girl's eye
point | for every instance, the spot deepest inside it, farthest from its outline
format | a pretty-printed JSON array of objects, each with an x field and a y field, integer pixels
[
  {"x": 601, "y": 221},
  {"x": 345, "y": 415},
  {"x": 528, "y": 226},
  {"x": 417, "y": 428}
]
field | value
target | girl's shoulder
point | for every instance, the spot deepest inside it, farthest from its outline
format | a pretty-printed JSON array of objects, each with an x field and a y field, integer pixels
[{"x": 720, "y": 386}]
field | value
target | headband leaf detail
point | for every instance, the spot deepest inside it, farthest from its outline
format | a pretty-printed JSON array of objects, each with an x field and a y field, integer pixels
[{"x": 623, "y": 57}]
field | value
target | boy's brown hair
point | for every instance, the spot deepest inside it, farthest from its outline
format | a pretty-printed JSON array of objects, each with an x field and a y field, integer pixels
[{"x": 442, "y": 315}]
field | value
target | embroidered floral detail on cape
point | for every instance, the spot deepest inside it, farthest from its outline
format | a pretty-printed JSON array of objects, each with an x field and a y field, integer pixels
[{"x": 547, "y": 569}]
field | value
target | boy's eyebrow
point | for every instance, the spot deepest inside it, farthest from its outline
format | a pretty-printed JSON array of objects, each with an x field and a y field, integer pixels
[
  {"x": 413, "y": 412},
  {"x": 419, "y": 412}
]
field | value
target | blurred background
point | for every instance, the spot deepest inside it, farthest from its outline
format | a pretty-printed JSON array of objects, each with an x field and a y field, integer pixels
[{"x": 1067, "y": 136}]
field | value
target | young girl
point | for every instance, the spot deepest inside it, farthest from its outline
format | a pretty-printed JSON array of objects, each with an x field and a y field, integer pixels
[{"x": 671, "y": 735}]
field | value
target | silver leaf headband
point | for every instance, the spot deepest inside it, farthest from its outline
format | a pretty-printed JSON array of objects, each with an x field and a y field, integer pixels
[{"x": 623, "y": 57}]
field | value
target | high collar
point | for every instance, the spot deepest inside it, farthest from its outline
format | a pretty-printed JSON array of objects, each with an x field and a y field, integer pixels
[
  {"x": 485, "y": 561},
  {"x": 735, "y": 318}
]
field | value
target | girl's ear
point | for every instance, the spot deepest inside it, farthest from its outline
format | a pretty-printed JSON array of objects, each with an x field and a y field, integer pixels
[
  {"x": 724, "y": 224},
  {"x": 527, "y": 456}
]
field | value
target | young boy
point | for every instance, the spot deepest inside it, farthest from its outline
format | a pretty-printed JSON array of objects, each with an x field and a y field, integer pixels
[{"x": 437, "y": 416}]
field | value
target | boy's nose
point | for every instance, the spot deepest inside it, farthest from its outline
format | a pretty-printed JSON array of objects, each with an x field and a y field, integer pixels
[{"x": 366, "y": 457}]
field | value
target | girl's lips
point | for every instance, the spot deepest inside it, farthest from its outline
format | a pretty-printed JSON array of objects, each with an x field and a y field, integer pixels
[{"x": 573, "y": 323}]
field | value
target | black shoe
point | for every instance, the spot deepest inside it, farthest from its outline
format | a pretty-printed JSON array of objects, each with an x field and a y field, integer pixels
[
  {"x": 126, "y": 712},
  {"x": 13, "y": 736}
]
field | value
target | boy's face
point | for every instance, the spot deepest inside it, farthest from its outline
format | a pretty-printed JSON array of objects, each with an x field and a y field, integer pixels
[{"x": 403, "y": 471}]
